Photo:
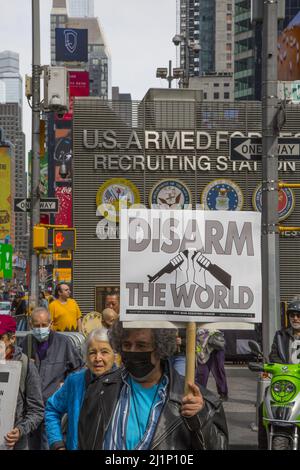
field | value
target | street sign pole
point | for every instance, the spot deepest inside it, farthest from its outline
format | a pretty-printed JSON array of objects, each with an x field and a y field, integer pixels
[
  {"x": 270, "y": 231},
  {"x": 35, "y": 167}
]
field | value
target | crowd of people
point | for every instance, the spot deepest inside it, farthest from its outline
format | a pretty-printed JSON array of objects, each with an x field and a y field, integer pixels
[{"x": 126, "y": 390}]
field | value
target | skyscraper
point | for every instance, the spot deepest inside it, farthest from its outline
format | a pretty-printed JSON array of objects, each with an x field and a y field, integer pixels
[
  {"x": 208, "y": 23},
  {"x": 10, "y": 77},
  {"x": 99, "y": 62},
  {"x": 81, "y": 8}
]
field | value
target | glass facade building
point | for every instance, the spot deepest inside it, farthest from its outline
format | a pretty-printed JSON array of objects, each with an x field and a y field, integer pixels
[{"x": 81, "y": 8}]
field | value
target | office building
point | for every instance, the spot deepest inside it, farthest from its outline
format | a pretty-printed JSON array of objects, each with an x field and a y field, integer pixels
[
  {"x": 81, "y": 8},
  {"x": 248, "y": 48},
  {"x": 10, "y": 78},
  {"x": 99, "y": 62},
  {"x": 11, "y": 123},
  {"x": 209, "y": 24}
]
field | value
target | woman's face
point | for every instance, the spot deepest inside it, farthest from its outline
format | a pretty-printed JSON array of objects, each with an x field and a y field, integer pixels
[{"x": 100, "y": 357}]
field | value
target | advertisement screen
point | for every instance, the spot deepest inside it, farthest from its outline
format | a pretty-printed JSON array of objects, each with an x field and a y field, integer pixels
[
  {"x": 289, "y": 51},
  {"x": 5, "y": 193},
  {"x": 71, "y": 45},
  {"x": 79, "y": 85},
  {"x": 64, "y": 196}
]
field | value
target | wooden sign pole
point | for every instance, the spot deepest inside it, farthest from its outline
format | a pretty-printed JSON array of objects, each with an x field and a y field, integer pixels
[{"x": 190, "y": 355}]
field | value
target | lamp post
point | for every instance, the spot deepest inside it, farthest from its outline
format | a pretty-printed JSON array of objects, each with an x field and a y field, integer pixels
[
  {"x": 35, "y": 162},
  {"x": 189, "y": 46},
  {"x": 164, "y": 73}
]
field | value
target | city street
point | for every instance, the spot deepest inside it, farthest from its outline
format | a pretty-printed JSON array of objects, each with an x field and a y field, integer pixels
[{"x": 240, "y": 408}]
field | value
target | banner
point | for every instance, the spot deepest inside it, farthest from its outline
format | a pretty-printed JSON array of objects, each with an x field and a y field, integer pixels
[
  {"x": 71, "y": 45},
  {"x": 79, "y": 85},
  {"x": 184, "y": 265},
  {"x": 5, "y": 193},
  {"x": 63, "y": 153}
]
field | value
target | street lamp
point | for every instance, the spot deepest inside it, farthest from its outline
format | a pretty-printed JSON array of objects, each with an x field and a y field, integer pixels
[{"x": 164, "y": 73}]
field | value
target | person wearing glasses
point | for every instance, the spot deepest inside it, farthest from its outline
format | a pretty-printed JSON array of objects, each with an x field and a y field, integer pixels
[{"x": 286, "y": 344}]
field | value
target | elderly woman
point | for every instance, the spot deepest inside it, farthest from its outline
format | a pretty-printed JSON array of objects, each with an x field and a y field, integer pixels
[{"x": 68, "y": 399}]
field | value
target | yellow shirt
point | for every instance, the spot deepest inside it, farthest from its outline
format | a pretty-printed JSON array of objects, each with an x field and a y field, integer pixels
[{"x": 64, "y": 315}]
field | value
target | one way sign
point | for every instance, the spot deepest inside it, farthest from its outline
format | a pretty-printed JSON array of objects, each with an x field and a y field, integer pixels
[
  {"x": 246, "y": 148},
  {"x": 49, "y": 205}
]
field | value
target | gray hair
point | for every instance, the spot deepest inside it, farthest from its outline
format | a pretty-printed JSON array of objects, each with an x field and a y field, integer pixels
[
  {"x": 38, "y": 310},
  {"x": 164, "y": 340},
  {"x": 99, "y": 334}
]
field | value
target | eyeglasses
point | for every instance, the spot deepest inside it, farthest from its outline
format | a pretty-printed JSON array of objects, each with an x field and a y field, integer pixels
[{"x": 294, "y": 314}]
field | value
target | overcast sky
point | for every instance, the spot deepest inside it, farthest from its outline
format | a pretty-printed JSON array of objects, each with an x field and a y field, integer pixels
[{"x": 138, "y": 32}]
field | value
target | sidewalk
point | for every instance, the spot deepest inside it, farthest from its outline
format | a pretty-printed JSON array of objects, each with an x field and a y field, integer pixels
[{"x": 240, "y": 408}]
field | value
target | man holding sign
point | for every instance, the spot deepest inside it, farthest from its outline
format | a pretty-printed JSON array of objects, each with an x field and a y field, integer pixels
[{"x": 143, "y": 406}]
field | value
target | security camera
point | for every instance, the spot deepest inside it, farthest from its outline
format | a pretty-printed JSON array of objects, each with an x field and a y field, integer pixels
[
  {"x": 63, "y": 171},
  {"x": 177, "y": 39}
]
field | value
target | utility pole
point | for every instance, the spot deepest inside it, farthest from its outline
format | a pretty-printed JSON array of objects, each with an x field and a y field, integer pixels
[
  {"x": 35, "y": 162},
  {"x": 270, "y": 230}
]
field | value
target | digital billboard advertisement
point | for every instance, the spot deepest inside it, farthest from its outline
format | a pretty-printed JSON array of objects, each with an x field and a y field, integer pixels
[
  {"x": 5, "y": 193},
  {"x": 71, "y": 45}
]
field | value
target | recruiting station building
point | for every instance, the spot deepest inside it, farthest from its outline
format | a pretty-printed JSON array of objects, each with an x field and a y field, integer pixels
[{"x": 170, "y": 148}]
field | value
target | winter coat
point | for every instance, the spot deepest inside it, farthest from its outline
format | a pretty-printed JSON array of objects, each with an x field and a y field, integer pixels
[
  {"x": 30, "y": 407},
  {"x": 206, "y": 430},
  {"x": 61, "y": 359}
]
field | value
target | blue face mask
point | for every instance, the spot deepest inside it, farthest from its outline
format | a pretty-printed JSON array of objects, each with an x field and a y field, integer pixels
[{"x": 41, "y": 334}]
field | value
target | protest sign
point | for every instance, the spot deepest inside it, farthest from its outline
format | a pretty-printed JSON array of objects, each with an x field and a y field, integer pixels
[
  {"x": 10, "y": 373},
  {"x": 190, "y": 266}
]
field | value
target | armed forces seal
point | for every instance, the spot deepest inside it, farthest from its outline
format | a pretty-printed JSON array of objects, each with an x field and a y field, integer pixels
[
  {"x": 286, "y": 202},
  {"x": 222, "y": 195},
  {"x": 115, "y": 194},
  {"x": 170, "y": 194}
]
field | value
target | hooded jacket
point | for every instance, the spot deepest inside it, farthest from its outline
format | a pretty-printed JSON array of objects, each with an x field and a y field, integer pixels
[
  {"x": 30, "y": 407},
  {"x": 206, "y": 430}
]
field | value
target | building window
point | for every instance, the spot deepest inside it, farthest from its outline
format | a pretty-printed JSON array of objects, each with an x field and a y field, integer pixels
[
  {"x": 216, "y": 96},
  {"x": 229, "y": 27},
  {"x": 228, "y": 47},
  {"x": 205, "y": 95},
  {"x": 216, "y": 84},
  {"x": 226, "y": 95},
  {"x": 226, "y": 84}
]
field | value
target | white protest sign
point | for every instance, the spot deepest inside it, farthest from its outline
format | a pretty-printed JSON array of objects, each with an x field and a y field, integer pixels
[
  {"x": 10, "y": 373},
  {"x": 190, "y": 266}
]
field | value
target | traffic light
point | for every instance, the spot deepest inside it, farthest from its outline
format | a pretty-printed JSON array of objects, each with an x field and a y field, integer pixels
[
  {"x": 64, "y": 239},
  {"x": 40, "y": 238}
]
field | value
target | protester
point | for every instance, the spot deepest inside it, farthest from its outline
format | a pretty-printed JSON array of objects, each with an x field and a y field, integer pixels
[
  {"x": 143, "y": 406},
  {"x": 55, "y": 358},
  {"x": 210, "y": 356},
  {"x": 109, "y": 317},
  {"x": 112, "y": 300},
  {"x": 286, "y": 344},
  {"x": 65, "y": 312},
  {"x": 30, "y": 408},
  {"x": 68, "y": 399}
]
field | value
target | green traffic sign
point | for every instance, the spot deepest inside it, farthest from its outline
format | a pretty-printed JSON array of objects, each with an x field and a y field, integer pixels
[{"x": 6, "y": 253}]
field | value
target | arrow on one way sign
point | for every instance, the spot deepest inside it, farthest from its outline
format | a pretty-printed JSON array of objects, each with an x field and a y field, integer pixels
[{"x": 244, "y": 148}]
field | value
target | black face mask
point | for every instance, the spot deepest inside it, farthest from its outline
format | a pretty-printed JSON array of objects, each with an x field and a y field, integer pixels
[{"x": 138, "y": 364}]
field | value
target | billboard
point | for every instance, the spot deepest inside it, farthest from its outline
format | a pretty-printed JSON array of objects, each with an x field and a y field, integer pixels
[
  {"x": 64, "y": 196},
  {"x": 184, "y": 265},
  {"x": 71, "y": 45},
  {"x": 6, "y": 261},
  {"x": 63, "y": 153},
  {"x": 289, "y": 51},
  {"x": 5, "y": 193},
  {"x": 79, "y": 85}
]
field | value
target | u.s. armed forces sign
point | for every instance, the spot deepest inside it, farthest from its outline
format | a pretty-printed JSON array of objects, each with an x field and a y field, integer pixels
[{"x": 190, "y": 265}]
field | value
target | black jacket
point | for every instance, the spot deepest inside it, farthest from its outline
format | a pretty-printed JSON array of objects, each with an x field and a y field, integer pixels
[
  {"x": 30, "y": 407},
  {"x": 206, "y": 430},
  {"x": 280, "y": 351},
  {"x": 61, "y": 359}
]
